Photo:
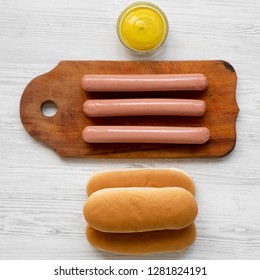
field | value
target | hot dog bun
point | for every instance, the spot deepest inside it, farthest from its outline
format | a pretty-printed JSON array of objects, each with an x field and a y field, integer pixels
[
  {"x": 140, "y": 178},
  {"x": 142, "y": 242},
  {"x": 140, "y": 209}
]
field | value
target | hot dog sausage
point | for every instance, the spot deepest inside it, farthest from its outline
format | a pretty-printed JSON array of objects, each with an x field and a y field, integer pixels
[
  {"x": 144, "y": 107},
  {"x": 155, "y": 82},
  {"x": 146, "y": 134}
]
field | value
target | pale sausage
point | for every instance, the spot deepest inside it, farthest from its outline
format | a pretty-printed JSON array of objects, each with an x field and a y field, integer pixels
[
  {"x": 144, "y": 107},
  {"x": 146, "y": 134},
  {"x": 155, "y": 82}
]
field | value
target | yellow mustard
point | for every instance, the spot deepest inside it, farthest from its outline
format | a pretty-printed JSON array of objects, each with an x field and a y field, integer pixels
[{"x": 142, "y": 27}]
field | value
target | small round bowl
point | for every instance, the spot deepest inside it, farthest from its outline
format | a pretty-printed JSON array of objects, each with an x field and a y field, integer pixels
[{"x": 142, "y": 27}]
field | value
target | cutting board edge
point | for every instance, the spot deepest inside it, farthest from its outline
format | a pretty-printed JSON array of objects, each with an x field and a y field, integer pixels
[{"x": 68, "y": 155}]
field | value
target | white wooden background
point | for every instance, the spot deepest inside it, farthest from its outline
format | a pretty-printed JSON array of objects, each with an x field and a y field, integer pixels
[{"x": 42, "y": 195}]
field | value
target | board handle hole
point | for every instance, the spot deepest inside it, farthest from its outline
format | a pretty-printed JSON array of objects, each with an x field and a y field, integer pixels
[{"x": 49, "y": 108}]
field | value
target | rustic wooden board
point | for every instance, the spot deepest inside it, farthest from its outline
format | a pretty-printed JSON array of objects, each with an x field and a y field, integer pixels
[{"x": 63, "y": 131}]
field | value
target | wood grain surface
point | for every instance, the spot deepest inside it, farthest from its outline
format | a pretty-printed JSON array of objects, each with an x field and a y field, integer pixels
[
  {"x": 63, "y": 131},
  {"x": 42, "y": 195}
]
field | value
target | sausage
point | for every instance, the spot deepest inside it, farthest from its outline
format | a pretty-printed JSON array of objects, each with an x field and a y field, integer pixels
[
  {"x": 144, "y": 107},
  {"x": 125, "y": 178},
  {"x": 146, "y": 134},
  {"x": 154, "y": 82},
  {"x": 142, "y": 242},
  {"x": 140, "y": 209}
]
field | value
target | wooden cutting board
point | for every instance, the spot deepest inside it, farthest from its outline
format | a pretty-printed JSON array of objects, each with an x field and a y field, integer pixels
[{"x": 63, "y": 131}]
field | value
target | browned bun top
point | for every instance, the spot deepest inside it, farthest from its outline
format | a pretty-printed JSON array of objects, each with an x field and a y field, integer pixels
[
  {"x": 156, "y": 178},
  {"x": 140, "y": 209},
  {"x": 142, "y": 242}
]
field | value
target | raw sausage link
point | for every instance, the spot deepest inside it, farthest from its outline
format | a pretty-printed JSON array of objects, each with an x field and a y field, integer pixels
[
  {"x": 156, "y": 82},
  {"x": 144, "y": 107},
  {"x": 146, "y": 134}
]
